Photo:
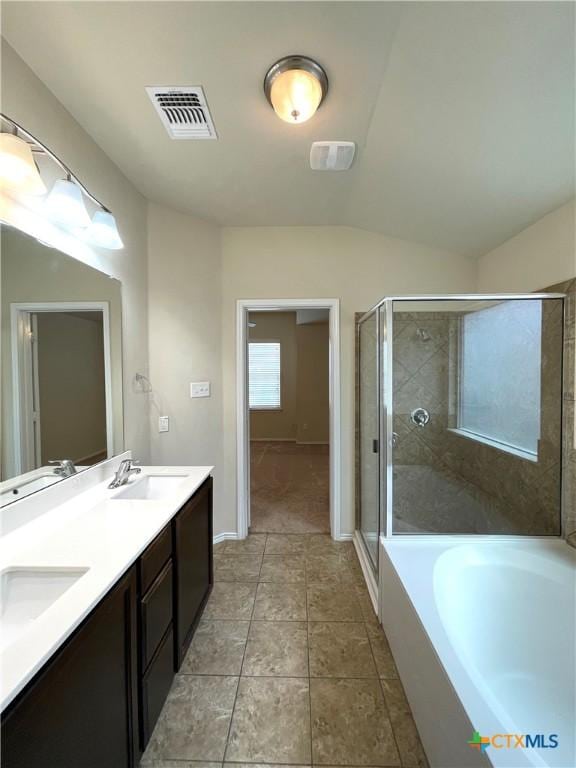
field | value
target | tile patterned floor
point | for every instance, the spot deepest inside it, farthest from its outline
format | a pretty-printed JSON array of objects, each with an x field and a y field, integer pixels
[
  {"x": 289, "y": 488},
  {"x": 288, "y": 666}
]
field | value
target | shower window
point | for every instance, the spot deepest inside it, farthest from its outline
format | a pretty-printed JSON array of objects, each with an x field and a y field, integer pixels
[{"x": 500, "y": 376}]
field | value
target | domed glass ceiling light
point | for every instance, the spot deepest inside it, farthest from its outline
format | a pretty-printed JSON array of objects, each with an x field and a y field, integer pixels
[
  {"x": 18, "y": 171},
  {"x": 65, "y": 203},
  {"x": 295, "y": 86}
]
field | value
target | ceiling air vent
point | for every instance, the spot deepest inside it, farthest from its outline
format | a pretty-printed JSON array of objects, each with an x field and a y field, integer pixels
[
  {"x": 183, "y": 111},
  {"x": 332, "y": 155}
]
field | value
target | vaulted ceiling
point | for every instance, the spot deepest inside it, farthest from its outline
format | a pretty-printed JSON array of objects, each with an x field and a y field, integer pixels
[{"x": 463, "y": 113}]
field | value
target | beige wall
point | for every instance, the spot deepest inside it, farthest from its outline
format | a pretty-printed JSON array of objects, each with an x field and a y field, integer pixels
[
  {"x": 71, "y": 386},
  {"x": 312, "y": 383},
  {"x": 541, "y": 255},
  {"x": 185, "y": 342},
  {"x": 281, "y": 424},
  {"x": 27, "y": 100},
  {"x": 355, "y": 266}
]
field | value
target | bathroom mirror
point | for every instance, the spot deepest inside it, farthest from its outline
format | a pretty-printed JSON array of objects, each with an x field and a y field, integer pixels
[{"x": 61, "y": 381}]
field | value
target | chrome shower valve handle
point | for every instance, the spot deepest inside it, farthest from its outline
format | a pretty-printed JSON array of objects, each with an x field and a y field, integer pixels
[{"x": 420, "y": 417}]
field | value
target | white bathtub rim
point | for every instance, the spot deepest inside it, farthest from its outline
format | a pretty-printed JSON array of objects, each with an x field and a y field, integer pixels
[{"x": 471, "y": 696}]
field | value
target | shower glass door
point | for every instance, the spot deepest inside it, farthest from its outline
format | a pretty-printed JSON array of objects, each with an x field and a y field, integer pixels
[{"x": 368, "y": 476}]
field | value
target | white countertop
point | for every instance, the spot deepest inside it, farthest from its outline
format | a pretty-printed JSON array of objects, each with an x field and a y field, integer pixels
[{"x": 91, "y": 530}]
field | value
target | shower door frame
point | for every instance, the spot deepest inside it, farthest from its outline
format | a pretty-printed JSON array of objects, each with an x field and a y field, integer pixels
[{"x": 386, "y": 411}]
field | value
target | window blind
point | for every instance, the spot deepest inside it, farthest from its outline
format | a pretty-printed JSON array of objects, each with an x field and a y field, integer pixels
[{"x": 264, "y": 374}]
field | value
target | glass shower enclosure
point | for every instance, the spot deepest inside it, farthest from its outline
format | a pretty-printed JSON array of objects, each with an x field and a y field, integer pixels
[{"x": 459, "y": 417}]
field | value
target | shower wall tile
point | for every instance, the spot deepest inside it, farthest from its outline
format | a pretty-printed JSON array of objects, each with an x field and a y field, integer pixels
[{"x": 449, "y": 483}]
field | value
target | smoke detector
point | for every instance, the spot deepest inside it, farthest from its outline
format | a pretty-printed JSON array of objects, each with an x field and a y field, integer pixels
[
  {"x": 183, "y": 111},
  {"x": 332, "y": 155}
]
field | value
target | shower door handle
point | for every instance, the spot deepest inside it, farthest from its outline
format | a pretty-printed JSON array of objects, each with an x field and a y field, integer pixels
[{"x": 375, "y": 446}]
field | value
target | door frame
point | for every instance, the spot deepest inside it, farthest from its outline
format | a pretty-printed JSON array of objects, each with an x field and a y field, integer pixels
[
  {"x": 23, "y": 438},
  {"x": 243, "y": 308}
]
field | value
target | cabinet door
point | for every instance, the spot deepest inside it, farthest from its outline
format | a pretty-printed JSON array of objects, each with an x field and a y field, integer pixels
[
  {"x": 81, "y": 710},
  {"x": 193, "y": 565}
]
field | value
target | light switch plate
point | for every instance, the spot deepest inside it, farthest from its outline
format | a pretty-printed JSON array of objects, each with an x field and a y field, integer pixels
[
  {"x": 200, "y": 389},
  {"x": 163, "y": 424}
]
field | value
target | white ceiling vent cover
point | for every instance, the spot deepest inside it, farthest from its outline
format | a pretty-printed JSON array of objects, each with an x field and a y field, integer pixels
[
  {"x": 183, "y": 111},
  {"x": 332, "y": 155}
]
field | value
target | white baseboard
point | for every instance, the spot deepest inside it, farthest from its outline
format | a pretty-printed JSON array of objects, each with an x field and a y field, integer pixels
[
  {"x": 312, "y": 442},
  {"x": 272, "y": 439},
  {"x": 345, "y": 537},
  {"x": 369, "y": 576},
  {"x": 224, "y": 537}
]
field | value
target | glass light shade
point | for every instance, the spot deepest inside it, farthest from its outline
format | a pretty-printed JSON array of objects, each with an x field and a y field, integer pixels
[
  {"x": 103, "y": 231},
  {"x": 18, "y": 170},
  {"x": 65, "y": 205},
  {"x": 295, "y": 95}
]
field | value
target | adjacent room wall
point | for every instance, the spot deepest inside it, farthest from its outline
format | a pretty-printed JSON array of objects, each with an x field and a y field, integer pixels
[
  {"x": 185, "y": 342},
  {"x": 72, "y": 387},
  {"x": 312, "y": 383},
  {"x": 356, "y": 266},
  {"x": 278, "y": 424},
  {"x": 27, "y": 100}
]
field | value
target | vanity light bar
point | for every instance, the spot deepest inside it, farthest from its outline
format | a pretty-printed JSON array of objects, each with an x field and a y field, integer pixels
[{"x": 111, "y": 238}]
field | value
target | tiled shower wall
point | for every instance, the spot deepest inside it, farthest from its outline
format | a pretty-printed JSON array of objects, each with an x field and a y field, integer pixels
[
  {"x": 448, "y": 483},
  {"x": 569, "y": 408},
  {"x": 444, "y": 482}
]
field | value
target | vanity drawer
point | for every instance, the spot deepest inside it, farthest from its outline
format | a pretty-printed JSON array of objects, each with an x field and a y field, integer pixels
[
  {"x": 156, "y": 684},
  {"x": 154, "y": 557},
  {"x": 156, "y": 613}
]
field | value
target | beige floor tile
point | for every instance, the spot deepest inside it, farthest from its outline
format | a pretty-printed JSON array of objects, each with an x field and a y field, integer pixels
[
  {"x": 332, "y": 602},
  {"x": 237, "y": 567},
  {"x": 195, "y": 719},
  {"x": 178, "y": 764},
  {"x": 277, "y": 649},
  {"x": 285, "y": 544},
  {"x": 325, "y": 544},
  {"x": 217, "y": 648},
  {"x": 271, "y": 721},
  {"x": 407, "y": 738},
  {"x": 328, "y": 568},
  {"x": 283, "y": 569},
  {"x": 340, "y": 649},
  {"x": 350, "y": 725},
  {"x": 230, "y": 601},
  {"x": 280, "y": 602},
  {"x": 254, "y": 543},
  {"x": 381, "y": 650}
]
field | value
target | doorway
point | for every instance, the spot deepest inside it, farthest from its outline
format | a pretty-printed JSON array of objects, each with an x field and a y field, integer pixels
[
  {"x": 288, "y": 416},
  {"x": 61, "y": 383}
]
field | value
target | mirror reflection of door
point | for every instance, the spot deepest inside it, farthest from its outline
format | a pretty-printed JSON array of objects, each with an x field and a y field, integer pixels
[{"x": 65, "y": 400}]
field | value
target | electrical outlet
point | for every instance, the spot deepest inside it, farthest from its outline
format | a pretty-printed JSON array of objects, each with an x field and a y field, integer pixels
[
  {"x": 163, "y": 424},
  {"x": 200, "y": 389}
]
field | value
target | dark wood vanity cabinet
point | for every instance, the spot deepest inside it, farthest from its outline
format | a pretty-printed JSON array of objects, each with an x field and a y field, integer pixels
[
  {"x": 193, "y": 567},
  {"x": 95, "y": 703},
  {"x": 81, "y": 711},
  {"x": 156, "y": 636}
]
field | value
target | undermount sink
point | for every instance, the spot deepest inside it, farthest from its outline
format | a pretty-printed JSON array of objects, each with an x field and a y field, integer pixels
[
  {"x": 27, "y": 592},
  {"x": 151, "y": 487}
]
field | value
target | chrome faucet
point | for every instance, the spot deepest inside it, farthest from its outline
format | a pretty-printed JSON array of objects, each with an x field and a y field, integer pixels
[
  {"x": 63, "y": 467},
  {"x": 124, "y": 473}
]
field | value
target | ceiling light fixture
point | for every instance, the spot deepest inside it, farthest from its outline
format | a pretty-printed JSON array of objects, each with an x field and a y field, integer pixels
[
  {"x": 295, "y": 86},
  {"x": 18, "y": 171},
  {"x": 65, "y": 204}
]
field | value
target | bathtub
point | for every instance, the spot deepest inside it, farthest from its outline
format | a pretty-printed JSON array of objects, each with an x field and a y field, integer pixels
[{"x": 483, "y": 631}]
